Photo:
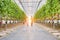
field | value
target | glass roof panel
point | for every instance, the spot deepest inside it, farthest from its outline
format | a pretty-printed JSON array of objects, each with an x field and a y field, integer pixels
[{"x": 30, "y": 6}]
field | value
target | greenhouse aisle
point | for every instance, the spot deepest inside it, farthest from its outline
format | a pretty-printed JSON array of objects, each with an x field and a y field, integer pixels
[{"x": 33, "y": 32}]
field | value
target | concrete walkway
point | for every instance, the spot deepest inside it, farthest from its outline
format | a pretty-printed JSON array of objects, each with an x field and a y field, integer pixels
[{"x": 34, "y": 32}]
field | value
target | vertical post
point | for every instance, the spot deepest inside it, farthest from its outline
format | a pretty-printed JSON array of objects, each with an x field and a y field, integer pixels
[
  {"x": 58, "y": 20},
  {"x": 0, "y": 21},
  {"x": 5, "y": 22}
]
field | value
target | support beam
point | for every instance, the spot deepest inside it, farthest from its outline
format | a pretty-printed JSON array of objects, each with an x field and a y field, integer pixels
[
  {"x": 22, "y": 5},
  {"x": 38, "y": 4}
]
